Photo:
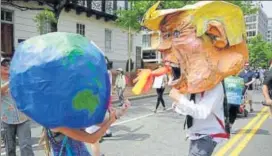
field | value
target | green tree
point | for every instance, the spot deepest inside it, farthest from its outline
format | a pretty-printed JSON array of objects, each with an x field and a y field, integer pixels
[
  {"x": 131, "y": 18},
  {"x": 43, "y": 19},
  {"x": 260, "y": 51}
]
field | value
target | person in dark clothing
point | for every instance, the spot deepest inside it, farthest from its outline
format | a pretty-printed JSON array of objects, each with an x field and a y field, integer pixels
[
  {"x": 267, "y": 87},
  {"x": 257, "y": 82},
  {"x": 159, "y": 84},
  {"x": 249, "y": 78},
  {"x": 233, "y": 110},
  {"x": 160, "y": 92}
]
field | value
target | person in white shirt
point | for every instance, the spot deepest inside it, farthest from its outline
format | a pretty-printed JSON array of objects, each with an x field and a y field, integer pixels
[
  {"x": 120, "y": 85},
  {"x": 159, "y": 84},
  {"x": 204, "y": 117}
]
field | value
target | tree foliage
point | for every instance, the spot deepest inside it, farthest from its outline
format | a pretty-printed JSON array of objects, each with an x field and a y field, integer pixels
[
  {"x": 260, "y": 51},
  {"x": 132, "y": 17},
  {"x": 43, "y": 18}
]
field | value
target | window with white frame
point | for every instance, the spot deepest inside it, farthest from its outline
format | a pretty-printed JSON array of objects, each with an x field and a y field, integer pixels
[
  {"x": 108, "y": 33},
  {"x": 80, "y": 29},
  {"x": 46, "y": 27},
  {"x": 6, "y": 16},
  {"x": 146, "y": 42}
]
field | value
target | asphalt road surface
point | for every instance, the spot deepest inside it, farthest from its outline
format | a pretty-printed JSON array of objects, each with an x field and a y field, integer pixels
[{"x": 142, "y": 133}]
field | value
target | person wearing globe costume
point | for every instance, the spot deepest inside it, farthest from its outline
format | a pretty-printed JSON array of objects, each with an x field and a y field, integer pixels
[{"x": 60, "y": 80}]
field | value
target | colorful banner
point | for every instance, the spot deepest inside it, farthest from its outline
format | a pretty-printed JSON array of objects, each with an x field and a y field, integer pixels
[{"x": 234, "y": 86}]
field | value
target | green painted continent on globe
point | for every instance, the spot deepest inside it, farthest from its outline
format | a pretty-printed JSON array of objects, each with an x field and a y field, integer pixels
[{"x": 85, "y": 100}]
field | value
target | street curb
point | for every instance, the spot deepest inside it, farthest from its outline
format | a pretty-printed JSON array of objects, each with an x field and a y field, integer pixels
[{"x": 139, "y": 97}]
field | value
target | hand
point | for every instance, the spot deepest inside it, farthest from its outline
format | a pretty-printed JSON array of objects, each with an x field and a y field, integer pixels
[
  {"x": 126, "y": 104},
  {"x": 268, "y": 101},
  {"x": 174, "y": 94},
  {"x": 174, "y": 105},
  {"x": 247, "y": 84},
  {"x": 112, "y": 114},
  {"x": 124, "y": 109}
]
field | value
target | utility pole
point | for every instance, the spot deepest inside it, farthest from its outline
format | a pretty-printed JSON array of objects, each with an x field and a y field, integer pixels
[
  {"x": 1, "y": 112},
  {"x": 129, "y": 40},
  {"x": 129, "y": 49}
]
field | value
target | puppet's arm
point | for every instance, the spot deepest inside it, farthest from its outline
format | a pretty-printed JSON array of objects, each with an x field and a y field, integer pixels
[{"x": 146, "y": 77}]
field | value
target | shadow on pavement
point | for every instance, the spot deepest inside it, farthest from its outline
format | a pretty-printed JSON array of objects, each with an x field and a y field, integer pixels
[
  {"x": 259, "y": 132},
  {"x": 35, "y": 140},
  {"x": 129, "y": 135},
  {"x": 117, "y": 128}
]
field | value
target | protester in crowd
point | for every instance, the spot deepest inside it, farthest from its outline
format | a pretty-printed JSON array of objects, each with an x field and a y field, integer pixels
[
  {"x": 257, "y": 83},
  {"x": 267, "y": 87},
  {"x": 262, "y": 71},
  {"x": 120, "y": 85},
  {"x": 249, "y": 78},
  {"x": 234, "y": 86},
  {"x": 159, "y": 84},
  {"x": 14, "y": 122}
]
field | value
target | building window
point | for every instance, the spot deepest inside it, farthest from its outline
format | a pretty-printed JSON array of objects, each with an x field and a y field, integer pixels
[
  {"x": 146, "y": 40},
  {"x": 108, "y": 40},
  {"x": 6, "y": 16},
  {"x": 81, "y": 29},
  {"x": 251, "y": 19},
  {"x": 251, "y": 33},
  {"x": 46, "y": 27},
  {"x": 254, "y": 18},
  {"x": 109, "y": 8},
  {"x": 120, "y": 5},
  {"x": 149, "y": 54},
  {"x": 97, "y": 5}
]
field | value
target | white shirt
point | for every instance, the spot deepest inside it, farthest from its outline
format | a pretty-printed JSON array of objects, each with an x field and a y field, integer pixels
[
  {"x": 120, "y": 81},
  {"x": 204, "y": 112},
  {"x": 110, "y": 76},
  {"x": 159, "y": 81},
  {"x": 92, "y": 129}
]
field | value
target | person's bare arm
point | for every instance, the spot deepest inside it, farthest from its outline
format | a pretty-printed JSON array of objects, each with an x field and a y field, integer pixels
[
  {"x": 266, "y": 95},
  {"x": 252, "y": 81},
  {"x": 84, "y": 136},
  {"x": 4, "y": 88},
  {"x": 120, "y": 113}
]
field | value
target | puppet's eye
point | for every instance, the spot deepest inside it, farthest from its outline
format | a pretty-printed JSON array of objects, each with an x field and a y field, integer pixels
[
  {"x": 176, "y": 33},
  {"x": 166, "y": 35}
]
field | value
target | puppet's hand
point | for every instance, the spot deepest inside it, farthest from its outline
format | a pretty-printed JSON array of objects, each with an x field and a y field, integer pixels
[
  {"x": 143, "y": 81},
  {"x": 175, "y": 94}
]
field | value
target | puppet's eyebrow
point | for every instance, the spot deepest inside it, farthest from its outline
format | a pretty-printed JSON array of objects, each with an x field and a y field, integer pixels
[{"x": 165, "y": 22}]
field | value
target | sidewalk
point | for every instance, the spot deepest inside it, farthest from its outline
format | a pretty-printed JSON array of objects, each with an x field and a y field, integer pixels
[{"x": 128, "y": 94}]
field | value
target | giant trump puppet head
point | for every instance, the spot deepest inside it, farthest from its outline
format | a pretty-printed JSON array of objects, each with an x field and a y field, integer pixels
[{"x": 203, "y": 43}]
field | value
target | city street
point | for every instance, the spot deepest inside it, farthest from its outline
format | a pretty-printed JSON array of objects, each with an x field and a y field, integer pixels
[{"x": 143, "y": 133}]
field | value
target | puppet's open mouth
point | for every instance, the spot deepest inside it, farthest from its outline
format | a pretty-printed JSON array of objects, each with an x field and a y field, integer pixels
[
  {"x": 175, "y": 76},
  {"x": 176, "y": 73}
]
